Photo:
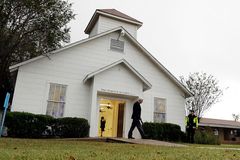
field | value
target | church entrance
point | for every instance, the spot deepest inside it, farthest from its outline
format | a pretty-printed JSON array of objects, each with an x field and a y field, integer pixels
[{"x": 111, "y": 117}]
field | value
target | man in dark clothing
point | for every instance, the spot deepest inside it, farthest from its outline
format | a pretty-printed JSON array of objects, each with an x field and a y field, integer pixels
[
  {"x": 136, "y": 116},
  {"x": 191, "y": 125}
]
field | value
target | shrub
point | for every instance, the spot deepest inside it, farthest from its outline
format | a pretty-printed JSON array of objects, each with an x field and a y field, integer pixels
[
  {"x": 163, "y": 131},
  {"x": 28, "y": 125},
  {"x": 205, "y": 137},
  {"x": 71, "y": 127}
]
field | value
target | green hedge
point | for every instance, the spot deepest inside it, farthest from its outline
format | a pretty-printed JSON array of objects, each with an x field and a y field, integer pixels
[
  {"x": 71, "y": 127},
  {"x": 205, "y": 137},
  {"x": 163, "y": 131},
  {"x": 28, "y": 125}
]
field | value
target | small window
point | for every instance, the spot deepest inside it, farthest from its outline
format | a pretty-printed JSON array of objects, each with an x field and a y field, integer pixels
[
  {"x": 159, "y": 110},
  {"x": 215, "y": 132},
  {"x": 56, "y": 100},
  {"x": 235, "y": 132},
  {"x": 238, "y": 133},
  {"x": 117, "y": 45}
]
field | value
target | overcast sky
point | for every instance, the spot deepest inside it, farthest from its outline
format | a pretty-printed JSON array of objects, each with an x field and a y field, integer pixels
[{"x": 186, "y": 36}]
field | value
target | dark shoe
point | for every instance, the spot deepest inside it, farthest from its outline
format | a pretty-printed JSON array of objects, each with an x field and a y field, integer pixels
[{"x": 131, "y": 138}]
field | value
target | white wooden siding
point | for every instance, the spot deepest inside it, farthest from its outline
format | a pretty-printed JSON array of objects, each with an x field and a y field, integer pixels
[
  {"x": 94, "y": 30},
  {"x": 119, "y": 78},
  {"x": 105, "y": 24},
  {"x": 72, "y": 65}
]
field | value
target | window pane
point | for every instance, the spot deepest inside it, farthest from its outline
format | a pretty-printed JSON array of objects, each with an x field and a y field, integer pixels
[
  {"x": 55, "y": 109},
  {"x": 61, "y": 109},
  {"x": 63, "y": 93},
  {"x": 159, "y": 110},
  {"x": 57, "y": 92},
  {"x": 51, "y": 91},
  {"x": 56, "y": 101},
  {"x": 50, "y": 108},
  {"x": 238, "y": 133},
  {"x": 160, "y": 105},
  {"x": 58, "y": 110},
  {"x": 159, "y": 117}
]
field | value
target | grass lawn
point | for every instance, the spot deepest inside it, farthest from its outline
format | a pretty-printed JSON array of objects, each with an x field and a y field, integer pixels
[{"x": 34, "y": 149}]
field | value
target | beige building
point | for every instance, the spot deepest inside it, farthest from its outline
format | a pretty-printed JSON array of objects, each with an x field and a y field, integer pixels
[{"x": 226, "y": 130}]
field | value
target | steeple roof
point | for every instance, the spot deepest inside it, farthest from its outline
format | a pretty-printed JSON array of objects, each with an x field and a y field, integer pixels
[
  {"x": 118, "y": 13},
  {"x": 112, "y": 13}
]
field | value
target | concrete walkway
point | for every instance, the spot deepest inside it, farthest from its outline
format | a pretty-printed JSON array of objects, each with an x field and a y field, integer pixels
[
  {"x": 131, "y": 141},
  {"x": 144, "y": 141},
  {"x": 234, "y": 149}
]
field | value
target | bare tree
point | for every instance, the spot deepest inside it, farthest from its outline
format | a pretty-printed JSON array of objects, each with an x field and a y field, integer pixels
[
  {"x": 236, "y": 117},
  {"x": 205, "y": 90}
]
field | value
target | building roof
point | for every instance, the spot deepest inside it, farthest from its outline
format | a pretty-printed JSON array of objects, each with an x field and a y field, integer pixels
[
  {"x": 113, "y": 13},
  {"x": 219, "y": 123},
  {"x": 146, "y": 84},
  {"x": 118, "y": 13},
  {"x": 131, "y": 38}
]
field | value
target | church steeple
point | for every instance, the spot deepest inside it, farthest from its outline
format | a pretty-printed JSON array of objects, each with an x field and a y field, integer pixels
[{"x": 106, "y": 19}]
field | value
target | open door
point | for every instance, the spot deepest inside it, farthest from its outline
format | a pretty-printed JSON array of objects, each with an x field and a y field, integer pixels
[
  {"x": 120, "y": 119},
  {"x": 111, "y": 115}
]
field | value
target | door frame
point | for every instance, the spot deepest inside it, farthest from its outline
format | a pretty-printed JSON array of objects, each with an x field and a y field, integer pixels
[{"x": 115, "y": 99}]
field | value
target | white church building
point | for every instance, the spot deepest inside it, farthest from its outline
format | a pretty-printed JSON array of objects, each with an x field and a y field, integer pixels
[{"x": 101, "y": 76}]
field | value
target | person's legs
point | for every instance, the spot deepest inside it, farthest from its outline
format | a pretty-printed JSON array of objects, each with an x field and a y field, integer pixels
[
  {"x": 140, "y": 129},
  {"x": 101, "y": 132},
  {"x": 131, "y": 129},
  {"x": 192, "y": 136},
  {"x": 191, "y": 132},
  {"x": 188, "y": 135}
]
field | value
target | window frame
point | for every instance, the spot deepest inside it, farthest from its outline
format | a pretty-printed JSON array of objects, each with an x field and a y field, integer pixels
[
  {"x": 58, "y": 102},
  {"x": 163, "y": 116},
  {"x": 116, "y": 49}
]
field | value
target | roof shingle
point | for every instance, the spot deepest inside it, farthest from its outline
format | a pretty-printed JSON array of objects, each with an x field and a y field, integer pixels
[
  {"x": 110, "y": 12},
  {"x": 219, "y": 122},
  {"x": 118, "y": 13}
]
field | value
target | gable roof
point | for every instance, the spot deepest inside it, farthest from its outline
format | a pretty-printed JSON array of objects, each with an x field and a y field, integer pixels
[
  {"x": 135, "y": 42},
  {"x": 15, "y": 66},
  {"x": 112, "y": 13},
  {"x": 219, "y": 123},
  {"x": 146, "y": 84},
  {"x": 118, "y": 13}
]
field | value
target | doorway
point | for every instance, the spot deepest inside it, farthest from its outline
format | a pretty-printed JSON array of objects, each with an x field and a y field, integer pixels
[{"x": 111, "y": 116}]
